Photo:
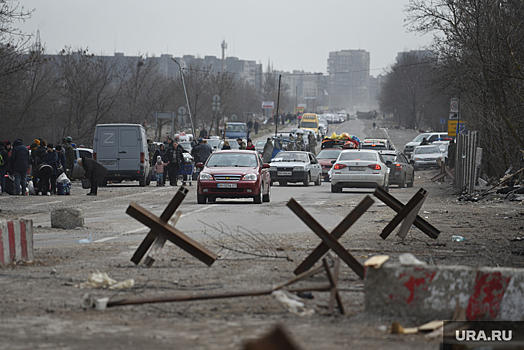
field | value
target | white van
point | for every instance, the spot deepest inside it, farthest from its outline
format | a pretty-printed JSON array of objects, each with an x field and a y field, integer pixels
[{"x": 122, "y": 149}]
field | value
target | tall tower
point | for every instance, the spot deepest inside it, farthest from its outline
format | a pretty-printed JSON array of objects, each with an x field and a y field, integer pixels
[{"x": 224, "y": 47}]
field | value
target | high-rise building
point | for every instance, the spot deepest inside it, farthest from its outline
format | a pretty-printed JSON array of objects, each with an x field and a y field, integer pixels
[{"x": 349, "y": 80}]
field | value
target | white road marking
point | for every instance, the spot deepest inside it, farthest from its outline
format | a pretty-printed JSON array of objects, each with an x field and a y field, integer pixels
[
  {"x": 105, "y": 239},
  {"x": 198, "y": 210}
]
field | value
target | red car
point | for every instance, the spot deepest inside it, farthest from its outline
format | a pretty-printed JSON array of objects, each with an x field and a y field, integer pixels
[
  {"x": 325, "y": 157},
  {"x": 233, "y": 174}
]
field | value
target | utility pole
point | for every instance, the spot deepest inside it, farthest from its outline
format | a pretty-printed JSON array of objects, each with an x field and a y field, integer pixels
[
  {"x": 278, "y": 104},
  {"x": 224, "y": 47}
]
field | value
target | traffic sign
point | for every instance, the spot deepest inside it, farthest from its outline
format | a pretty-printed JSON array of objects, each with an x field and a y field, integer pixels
[
  {"x": 216, "y": 98},
  {"x": 442, "y": 121},
  {"x": 454, "y": 106},
  {"x": 268, "y": 105},
  {"x": 182, "y": 110}
]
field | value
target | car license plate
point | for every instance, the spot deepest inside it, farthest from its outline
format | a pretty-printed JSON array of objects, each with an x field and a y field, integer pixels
[
  {"x": 284, "y": 173},
  {"x": 227, "y": 185},
  {"x": 357, "y": 168},
  {"x": 108, "y": 162}
]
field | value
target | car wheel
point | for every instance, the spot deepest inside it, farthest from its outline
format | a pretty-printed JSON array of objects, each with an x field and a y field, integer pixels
[
  {"x": 258, "y": 198},
  {"x": 415, "y": 168},
  {"x": 318, "y": 182},
  {"x": 282, "y": 183},
  {"x": 148, "y": 179},
  {"x": 335, "y": 189},
  {"x": 142, "y": 182},
  {"x": 410, "y": 184},
  {"x": 306, "y": 180},
  {"x": 402, "y": 183},
  {"x": 201, "y": 199},
  {"x": 211, "y": 199},
  {"x": 385, "y": 187},
  {"x": 267, "y": 197}
]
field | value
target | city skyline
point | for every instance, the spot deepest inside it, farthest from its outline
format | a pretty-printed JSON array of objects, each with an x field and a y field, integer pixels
[{"x": 299, "y": 36}]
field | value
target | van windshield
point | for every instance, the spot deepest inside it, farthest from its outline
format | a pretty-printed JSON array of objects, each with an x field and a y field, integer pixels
[
  {"x": 236, "y": 128},
  {"x": 420, "y": 137}
]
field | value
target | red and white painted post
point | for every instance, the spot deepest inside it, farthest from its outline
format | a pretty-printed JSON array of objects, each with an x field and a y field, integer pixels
[{"x": 16, "y": 241}]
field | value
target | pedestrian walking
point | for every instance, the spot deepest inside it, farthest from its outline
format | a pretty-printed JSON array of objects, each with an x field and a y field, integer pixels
[
  {"x": 19, "y": 162},
  {"x": 4, "y": 157},
  {"x": 172, "y": 166},
  {"x": 159, "y": 171},
  {"x": 452, "y": 150},
  {"x": 70, "y": 156},
  {"x": 94, "y": 171},
  {"x": 201, "y": 152},
  {"x": 256, "y": 126},
  {"x": 51, "y": 158},
  {"x": 267, "y": 153}
]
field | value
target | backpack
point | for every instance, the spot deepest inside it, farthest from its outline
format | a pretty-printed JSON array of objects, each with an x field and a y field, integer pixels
[{"x": 2, "y": 162}]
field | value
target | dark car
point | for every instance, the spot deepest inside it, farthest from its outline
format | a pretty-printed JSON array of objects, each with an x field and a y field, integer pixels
[
  {"x": 233, "y": 174},
  {"x": 401, "y": 171},
  {"x": 325, "y": 157}
]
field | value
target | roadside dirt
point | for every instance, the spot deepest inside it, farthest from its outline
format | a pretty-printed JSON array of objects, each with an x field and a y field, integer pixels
[{"x": 40, "y": 308}]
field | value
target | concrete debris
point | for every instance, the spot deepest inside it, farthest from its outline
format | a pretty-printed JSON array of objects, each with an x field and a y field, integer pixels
[
  {"x": 292, "y": 303},
  {"x": 67, "y": 218},
  {"x": 408, "y": 259},
  {"x": 102, "y": 280},
  {"x": 376, "y": 261}
]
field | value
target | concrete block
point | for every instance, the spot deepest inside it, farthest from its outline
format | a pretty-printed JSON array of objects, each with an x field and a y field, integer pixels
[
  {"x": 430, "y": 292},
  {"x": 67, "y": 218},
  {"x": 16, "y": 241}
]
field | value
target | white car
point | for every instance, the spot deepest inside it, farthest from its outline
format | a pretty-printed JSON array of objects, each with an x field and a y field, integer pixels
[
  {"x": 426, "y": 156},
  {"x": 361, "y": 169}
]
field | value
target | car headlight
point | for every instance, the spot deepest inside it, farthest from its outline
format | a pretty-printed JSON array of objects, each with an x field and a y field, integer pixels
[
  {"x": 298, "y": 168},
  {"x": 206, "y": 176},
  {"x": 272, "y": 167},
  {"x": 250, "y": 177}
]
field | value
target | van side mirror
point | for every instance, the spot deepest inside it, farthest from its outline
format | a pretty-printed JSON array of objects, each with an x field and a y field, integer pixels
[
  {"x": 411, "y": 161},
  {"x": 265, "y": 166},
  {"x": 200, "y": 165},
  {"x": 388, "y": 162},
  {"x": 333, "y": 161}
]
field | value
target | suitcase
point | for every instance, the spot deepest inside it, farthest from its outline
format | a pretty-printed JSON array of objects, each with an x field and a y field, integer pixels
[
  {"x": 10, "y": 184},
  {"x": 63, "y": 188},
  {"x": 86, "y": 184}
]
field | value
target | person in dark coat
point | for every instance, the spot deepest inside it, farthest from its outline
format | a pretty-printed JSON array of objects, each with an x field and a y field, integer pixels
[
  {"x": 4, "y": 161},
  {"x": 95, "y": 172},
  {"x": 51, "y": 158},
  {"x": 172, "y": 165},
  {"x": 43, "y": 172},
  {"x": 226, "y": 145},
  {"x": 19, "y": 161},
  {"x": 61, "y": 159},
  {"x": 201, "y": 152}
]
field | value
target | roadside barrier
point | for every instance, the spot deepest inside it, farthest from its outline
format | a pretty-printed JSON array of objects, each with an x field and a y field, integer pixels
[{"x": 16, "y": 241}]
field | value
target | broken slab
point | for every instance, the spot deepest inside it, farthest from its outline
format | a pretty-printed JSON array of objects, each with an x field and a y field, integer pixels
[
  {"x": 431, "y": 292},
  {"x": 67, "y": 218}
]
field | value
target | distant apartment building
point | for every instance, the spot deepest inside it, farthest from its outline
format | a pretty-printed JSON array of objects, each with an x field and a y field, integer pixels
[
  {"x": 349, "y": 80},
  {"x": 307, "y": 89},
  {"x": 423, "y": 55},
  {"x": 250, "y": 71}
]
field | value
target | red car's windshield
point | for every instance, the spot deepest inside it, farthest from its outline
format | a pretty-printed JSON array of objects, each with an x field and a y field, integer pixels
[{"x": 231, "y": 159}]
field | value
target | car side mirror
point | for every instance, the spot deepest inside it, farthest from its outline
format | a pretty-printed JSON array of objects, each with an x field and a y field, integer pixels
[
  {"x": 333, "y": 161},
  {"x": 200, "y": 165},
  {"x": 411, "y": 161},
  {"x": 388, "y": 162},
  {"x": 265, "y": 166}
]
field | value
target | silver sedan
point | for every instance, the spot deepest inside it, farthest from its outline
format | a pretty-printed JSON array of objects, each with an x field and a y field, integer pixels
[{"x": 360, "y": 169}]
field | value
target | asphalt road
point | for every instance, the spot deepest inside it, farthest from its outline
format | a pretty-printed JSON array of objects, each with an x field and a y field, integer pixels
[{"x": 105, "y": 218}]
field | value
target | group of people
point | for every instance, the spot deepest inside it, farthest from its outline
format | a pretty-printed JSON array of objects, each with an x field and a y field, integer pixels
[
  {"x": 41, "y": 161},
  {"x": 168, "y": 161}
]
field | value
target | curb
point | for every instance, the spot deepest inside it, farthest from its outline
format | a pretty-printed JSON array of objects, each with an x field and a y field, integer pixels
[
  {"x": 431, "y": 292},
  {"x": 16, "y": 241}
]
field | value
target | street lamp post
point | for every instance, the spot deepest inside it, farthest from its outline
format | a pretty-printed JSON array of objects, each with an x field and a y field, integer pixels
[{"x": 187, "y": 101}]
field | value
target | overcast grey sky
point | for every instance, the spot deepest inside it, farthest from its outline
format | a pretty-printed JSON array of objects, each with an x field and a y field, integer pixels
[{"x": 292, "y": 34}]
